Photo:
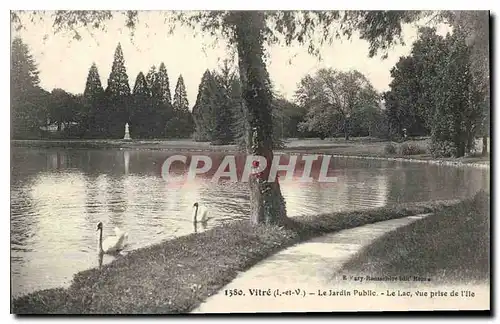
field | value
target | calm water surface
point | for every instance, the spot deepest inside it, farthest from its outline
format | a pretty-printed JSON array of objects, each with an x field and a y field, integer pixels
[{"x": 58, "y": 197}]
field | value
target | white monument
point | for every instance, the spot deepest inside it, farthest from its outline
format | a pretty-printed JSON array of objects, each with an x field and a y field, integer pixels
[{"x": 127, "y": 134}]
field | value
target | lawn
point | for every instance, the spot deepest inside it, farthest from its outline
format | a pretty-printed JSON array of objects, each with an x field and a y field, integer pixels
[{"x": 453, "y": 246}]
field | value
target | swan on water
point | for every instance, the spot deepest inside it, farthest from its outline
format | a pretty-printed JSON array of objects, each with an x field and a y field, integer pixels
[
  {"x": 112, "y": 244},
  {"x": 200, "y": 211}
]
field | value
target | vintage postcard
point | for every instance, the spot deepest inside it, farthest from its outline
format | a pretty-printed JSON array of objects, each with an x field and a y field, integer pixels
[{"x": 167, "y": 162}]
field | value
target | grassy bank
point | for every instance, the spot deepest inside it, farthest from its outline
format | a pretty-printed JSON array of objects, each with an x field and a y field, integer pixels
[
  {"x": 177, "y": 275},
  {"x": 450, "y": 246},
  {"x": 368, "y": 147}
]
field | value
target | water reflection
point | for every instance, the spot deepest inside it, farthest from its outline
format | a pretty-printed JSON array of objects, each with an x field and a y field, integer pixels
[
  {"x": 58, "y": 197},
  {"x": 100, "y": 258},
  {"x": 126, "y": 160}
]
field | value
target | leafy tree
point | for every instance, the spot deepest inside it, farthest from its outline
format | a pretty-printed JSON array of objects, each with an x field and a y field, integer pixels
[
  {"x": 412, "y": 98},
  {"x": 291, "y": 115},
  {"x": 376, "y": 122},
  {"x": 433, "y": 86},
  {"x": 28, "y": 100},
  {"x": 117, "y": 93},
  {"x": 66, "y": 111},
  {"x": 320, "y": 115},
  {"x": 393, "y": 115},
  {"x": 457, "y": 112},
  {"x": 429, "y": 53},
  {"x": 61, "y": 108},
  {"x": 411, "y": 111},
  {"x": 475, "y": 25},
  {"x": 80, "y": 120},
  {"x": 333, "y": 98},
  {"x": 367, "y": 117}
]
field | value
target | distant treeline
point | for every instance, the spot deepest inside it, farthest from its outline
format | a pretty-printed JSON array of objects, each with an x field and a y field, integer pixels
[{"x": 433, "y": 92}]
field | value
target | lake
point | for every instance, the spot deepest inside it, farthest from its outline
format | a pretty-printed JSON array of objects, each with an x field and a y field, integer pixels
[{"x": 58, "y": 197}]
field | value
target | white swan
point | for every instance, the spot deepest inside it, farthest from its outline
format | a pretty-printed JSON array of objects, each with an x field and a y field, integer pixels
[
  {"x": 112, "y": 244},
  {"x": 200, "y": 211}
]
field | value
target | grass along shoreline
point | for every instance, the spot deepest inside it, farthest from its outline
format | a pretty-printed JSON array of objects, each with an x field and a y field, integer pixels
[
  {"x": 175, "y": 276},
  {"x": 164, "y": 145},
  {"x": 359, "y": 148},
  {"x": 450, "y": 246}
]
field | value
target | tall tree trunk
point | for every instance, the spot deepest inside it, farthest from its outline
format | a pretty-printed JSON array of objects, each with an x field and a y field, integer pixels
[
  {"x": 346, "y": 129},
  {"x": 485, "y": 145},
  {"x": 267, "y": 204},
  {"x": 460, "y": 140},
  {"x": 470, "y": 144},
  {"x": 469, "y": 147}
]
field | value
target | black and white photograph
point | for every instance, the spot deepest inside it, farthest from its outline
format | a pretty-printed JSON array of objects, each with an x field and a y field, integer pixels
[{"x": 250, "y": 161}]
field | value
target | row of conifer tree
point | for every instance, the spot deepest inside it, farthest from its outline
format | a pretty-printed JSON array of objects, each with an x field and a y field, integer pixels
[{"x": 149, "y": 107}]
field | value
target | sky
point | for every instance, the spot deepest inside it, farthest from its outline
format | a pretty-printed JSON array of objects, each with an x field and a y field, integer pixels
[{"x": 64, "y": 62}]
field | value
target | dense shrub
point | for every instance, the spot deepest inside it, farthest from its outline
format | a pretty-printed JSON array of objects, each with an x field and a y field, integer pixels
[
  {"x": 442, "y": 149},
  {"x": 411, "y": 149}
]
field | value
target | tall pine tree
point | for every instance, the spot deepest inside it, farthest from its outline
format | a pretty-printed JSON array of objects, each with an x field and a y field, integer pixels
[
  {"x": 93, "y": 85},
  {"x": 239, "y": 117},
  {"x": 162, "y": 100},
  {"x": 180, "y": 96},
  {"x": 215, "y": 108},
  {"x": 142, "y": 118},
  {"x": 28, "y": 101},
  {"x": 93, "y": 102},
  {"x": 151, "y": 76},
  {"x": 118, "y": 96},
  {"x": 162, "y": 85},
  {"x": 181, "y": 124},
  {"x": 223, "y": 110},
  {"x": 203, "y": 110}
]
